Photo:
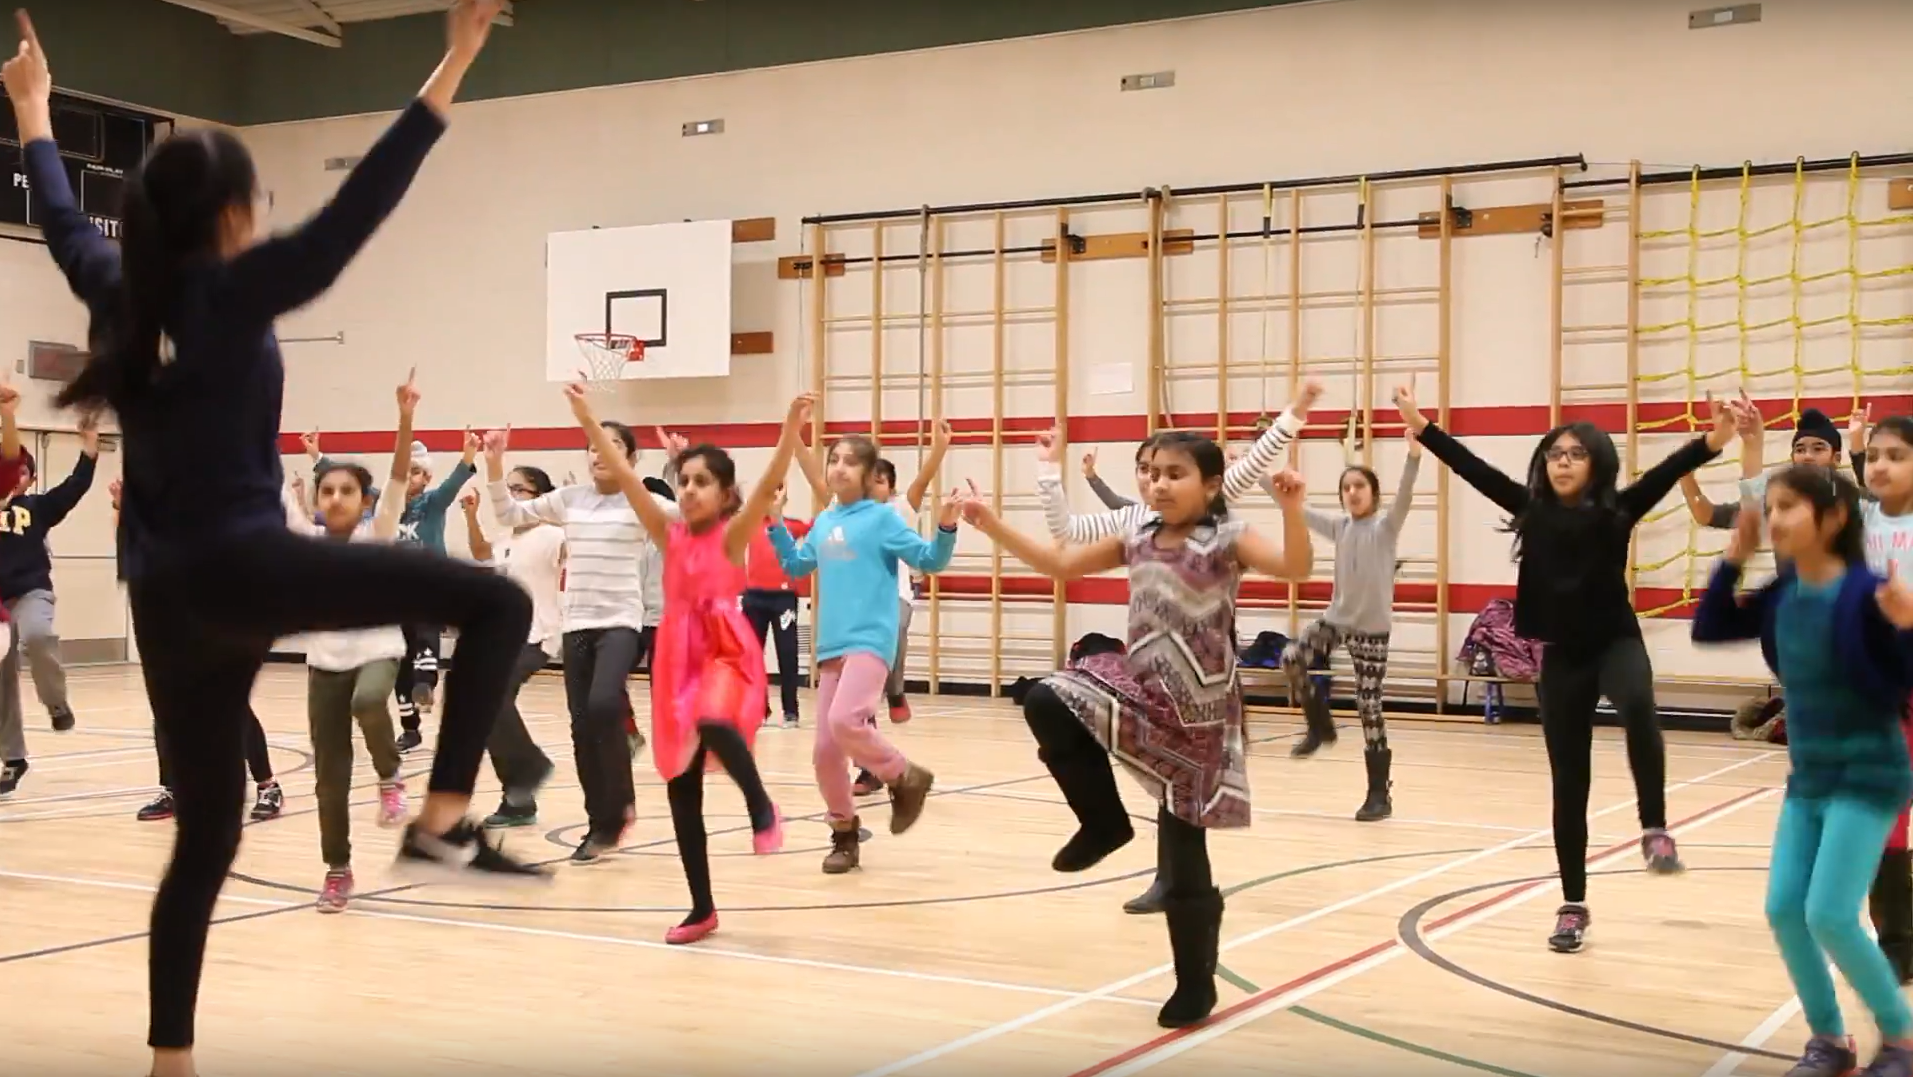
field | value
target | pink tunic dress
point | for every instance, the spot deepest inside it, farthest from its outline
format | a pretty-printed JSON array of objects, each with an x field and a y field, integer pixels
[{"x": 709, "y": 664}]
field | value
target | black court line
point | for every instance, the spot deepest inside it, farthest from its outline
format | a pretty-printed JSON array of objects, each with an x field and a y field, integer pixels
[{"x": 1410, "y": 932}]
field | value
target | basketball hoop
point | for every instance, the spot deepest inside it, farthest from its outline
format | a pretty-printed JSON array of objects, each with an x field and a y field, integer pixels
[{"x": 606, "y": 355}]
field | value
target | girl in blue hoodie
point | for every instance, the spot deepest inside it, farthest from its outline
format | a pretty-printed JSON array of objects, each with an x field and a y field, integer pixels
[
  {"x": 1837, "y": 636},
  {"x": 855, "y": 546}
]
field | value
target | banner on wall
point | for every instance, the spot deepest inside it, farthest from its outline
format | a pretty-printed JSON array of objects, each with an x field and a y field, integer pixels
[{"x": 667, "y": 285}]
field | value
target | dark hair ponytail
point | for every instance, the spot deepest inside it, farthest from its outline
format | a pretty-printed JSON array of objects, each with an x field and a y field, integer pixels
[{"x": 171, "y": 211}]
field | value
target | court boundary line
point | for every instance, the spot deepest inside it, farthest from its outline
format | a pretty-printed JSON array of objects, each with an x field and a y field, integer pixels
[{"x": 1035, "y": 1016}]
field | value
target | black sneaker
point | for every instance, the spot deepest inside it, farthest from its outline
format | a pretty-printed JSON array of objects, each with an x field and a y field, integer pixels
[
  {"x": 160, "y": 809},
  {"x": 10, "y": 776},
  {"x": 1570, "y": 929},
  {"x": 591, "y": 850},
  {"x": 1826, "y": 1057},
  {"x": 1890, "y": 1062},
  {"x": 866, "y": 784},
  {"x": 1660, "y": 853},
  {"x": 510, "y": 815},
  {"x": 62, "y": 721},
  {"x": 409, "y": 740},
  {"x": 271, "y": 801},
  {"x": 462, "y": 854}
]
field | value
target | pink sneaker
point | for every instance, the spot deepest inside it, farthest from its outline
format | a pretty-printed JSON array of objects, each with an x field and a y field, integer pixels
[
  {"x": 766, "y": 842},
  {"x": 899, "y": 710},
  {"x": 336, "y": 891},
  {"x": 685, "y": 934},
  {"x": 391, "y": 803}
]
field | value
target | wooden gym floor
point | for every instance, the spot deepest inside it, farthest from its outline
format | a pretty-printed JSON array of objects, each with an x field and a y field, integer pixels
[{"x": 1414, "y": 946}]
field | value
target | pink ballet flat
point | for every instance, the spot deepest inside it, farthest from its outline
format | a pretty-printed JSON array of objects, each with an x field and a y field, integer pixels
[
  {"x": 766, "y": 842},
  {"x": 684, "y": 934}
]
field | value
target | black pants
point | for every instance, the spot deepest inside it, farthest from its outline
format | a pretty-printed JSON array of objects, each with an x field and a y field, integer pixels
[
  {"x": 774, "y": 613},
  {"x": 597, "y": 660},
  {"x": 517, "y": 760},
  {"x": 205, "y": 619},
  {"x": 1064, "y": 743},
  {"x": 258, "y": 758},
  {"x": 685, "y": 794},
  {"x": 418, "y": 667},
  {"x": 1571, "y": 687}
]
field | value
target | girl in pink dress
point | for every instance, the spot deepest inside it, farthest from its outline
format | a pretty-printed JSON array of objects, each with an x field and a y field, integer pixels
[{"x": 707, "y": 673}]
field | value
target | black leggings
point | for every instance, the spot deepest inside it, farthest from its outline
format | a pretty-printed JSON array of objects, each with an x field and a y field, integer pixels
[
  {"x": 686, "y": 796},
  {"x": 205, "y": 619},
  {"x": 1571, "y": 687},
  {"x": 258, "y": 758},
  {"x": 1182, "y": 849}
]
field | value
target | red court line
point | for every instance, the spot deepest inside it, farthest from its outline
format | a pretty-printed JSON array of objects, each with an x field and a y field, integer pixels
[{"x": 1325, "y": 971}]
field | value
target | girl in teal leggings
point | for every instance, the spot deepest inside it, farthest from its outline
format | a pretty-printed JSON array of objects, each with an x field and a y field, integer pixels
[{"x": 1837, "y": 637}]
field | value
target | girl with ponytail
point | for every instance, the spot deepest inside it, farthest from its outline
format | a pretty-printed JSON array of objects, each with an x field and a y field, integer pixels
[{"x": 183, "y": 351}]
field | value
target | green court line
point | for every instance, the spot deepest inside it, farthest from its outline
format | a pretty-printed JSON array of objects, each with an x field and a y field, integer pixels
[{"x": 1238, "y": 981}]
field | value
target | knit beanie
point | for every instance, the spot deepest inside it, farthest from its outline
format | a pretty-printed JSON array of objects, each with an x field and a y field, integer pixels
[{"x": 1815, "y": 424}]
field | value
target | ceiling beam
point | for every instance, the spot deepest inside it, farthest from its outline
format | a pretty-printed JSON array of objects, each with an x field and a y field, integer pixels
[
  {"x": 257, "y": 22},
  {"x": 317, "y": 14}
]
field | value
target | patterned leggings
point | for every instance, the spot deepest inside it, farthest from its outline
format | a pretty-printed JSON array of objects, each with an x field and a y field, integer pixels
[{"x": 1369, "y": 650}]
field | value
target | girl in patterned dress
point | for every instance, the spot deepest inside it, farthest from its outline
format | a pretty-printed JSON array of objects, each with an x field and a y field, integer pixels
[
  {"x": 707, "y": 674},
  {"x": 1170, "y": 709}
]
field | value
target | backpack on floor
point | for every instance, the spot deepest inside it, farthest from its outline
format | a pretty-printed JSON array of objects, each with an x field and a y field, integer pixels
[
  {"x": 1761, "y": 720},
  {"x": 1492, "y": 648}
]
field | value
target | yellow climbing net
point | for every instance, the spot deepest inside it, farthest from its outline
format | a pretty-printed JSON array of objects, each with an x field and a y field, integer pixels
[{"x": 1811, "y": 316}]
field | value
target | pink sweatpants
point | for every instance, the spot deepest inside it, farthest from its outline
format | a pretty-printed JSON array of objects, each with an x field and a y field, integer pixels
[
  {"x": 1898, "y": 838},
  {"x": 849, "y": 691}
]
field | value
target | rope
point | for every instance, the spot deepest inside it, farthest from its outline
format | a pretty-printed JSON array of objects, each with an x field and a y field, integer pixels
[{"x": 1749, "y": 330}]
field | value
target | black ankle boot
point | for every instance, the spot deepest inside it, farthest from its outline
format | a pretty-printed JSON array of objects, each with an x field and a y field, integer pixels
[
  {"x": 1149, "y": 902},
  {"x": 1378, "y": 805},
  {"x": 1321, "y": 725},
  {"x": 1891, "y": 907},
  {"x": 1088, "y": 783},
  {"x": 1195, "y": 932}
]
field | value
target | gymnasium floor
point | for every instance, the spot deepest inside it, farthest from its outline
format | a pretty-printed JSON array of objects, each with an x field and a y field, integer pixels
[{"x": 1410, "y": 947}]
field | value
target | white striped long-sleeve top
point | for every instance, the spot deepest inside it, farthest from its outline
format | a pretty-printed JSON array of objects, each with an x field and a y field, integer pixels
[
  {"x": 604, "y": 551},
  {"x": 1239, "y": 478}
]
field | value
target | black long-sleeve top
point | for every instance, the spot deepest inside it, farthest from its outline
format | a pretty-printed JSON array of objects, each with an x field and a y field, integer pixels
[
  {"x": 1571, "y": 588},
  {"x": 25, "y": 564},
  {"x": 202, "y": 441}
]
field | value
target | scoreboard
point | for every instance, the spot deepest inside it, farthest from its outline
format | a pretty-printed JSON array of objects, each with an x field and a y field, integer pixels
[{"x": 100, "y": 144}]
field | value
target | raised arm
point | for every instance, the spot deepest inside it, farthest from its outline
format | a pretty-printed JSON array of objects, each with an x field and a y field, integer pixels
[
  {"x": 58, "y": 502},
  {"x": 1404, "y": 490},
  {"x": 901, "y": 541},
  {"x": 1056, "y": 515},
  {"x": 288, "y": 271},
  {"x": 656, "y": 521},
  {"x": 385, "y": 521},
  {"x": 810, "y": 462},
  {"x": 439, "y": 498},
  {"x": 939, "y": 446},
  {"x": 509, "y": 511},
  {"x": 1640, "y": 497},
  {"x": 1723, "y": 614},
  {"x": 1244, "y": 474},
  {"x": 744, "y": 524},
  {"x": 474, "y": 529},
  {"x": 1488, "y": 480},
  {"x": 90, "y": 263},
  {"x": 1067, "y": 562},
  {"x": 797, "y": 559},
  {"x": 1295, "y": 559},
  {"x": 1110, "y": 498}
]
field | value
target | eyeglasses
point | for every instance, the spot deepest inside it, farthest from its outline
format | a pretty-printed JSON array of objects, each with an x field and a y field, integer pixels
[
  {"x": 1558, "y": 453},
  {"x": 521, "y": 489}
]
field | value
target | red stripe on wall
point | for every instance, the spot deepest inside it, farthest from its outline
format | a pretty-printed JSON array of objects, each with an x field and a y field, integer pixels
[
  {"x": 1515, "y": 421},
  {"x": 1468, "y": 598}
]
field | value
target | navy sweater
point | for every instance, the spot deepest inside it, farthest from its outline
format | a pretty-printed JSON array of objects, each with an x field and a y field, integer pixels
[
  {"x": 1856, "y": 750},
  {"x": 24, "y": 522},
  {"x": 202, "y": 441}
]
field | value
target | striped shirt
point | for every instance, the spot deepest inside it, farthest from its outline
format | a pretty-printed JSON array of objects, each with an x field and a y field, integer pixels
[
  {"x": 1240, "y": 478},
  {"x": 604, "y": 551}
]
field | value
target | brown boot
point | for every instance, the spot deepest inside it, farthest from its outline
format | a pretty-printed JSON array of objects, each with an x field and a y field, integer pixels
[
  {"x": 907, "y": 795},
  {"x": 843, "y": 846}
]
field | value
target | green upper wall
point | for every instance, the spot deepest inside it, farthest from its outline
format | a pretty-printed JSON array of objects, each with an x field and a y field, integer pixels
[
  {"x": 170, "y": 59},
  {"x": 152, "y": 55}
]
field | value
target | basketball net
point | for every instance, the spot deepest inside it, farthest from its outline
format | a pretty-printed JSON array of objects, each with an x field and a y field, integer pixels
[{"x": 606, "y": 355}]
